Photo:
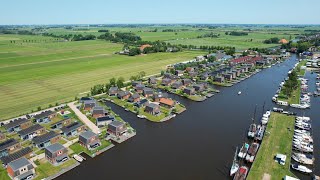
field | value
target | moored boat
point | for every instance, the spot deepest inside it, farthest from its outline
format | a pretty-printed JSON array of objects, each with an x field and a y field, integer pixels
[
  {"x": 235, "y": 165},
  {"x": 243, "y": 151},
  {"x": 303, "y": 158},
  {"x": 241, "y": 173},
  {"x": 252, "y": 152},
  {"x": 301, "y": 168}
]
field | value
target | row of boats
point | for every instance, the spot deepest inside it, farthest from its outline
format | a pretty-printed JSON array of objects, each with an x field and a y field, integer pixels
[
  {"x": 302, "y": 145},
  {"x": 248, "y": 151}
]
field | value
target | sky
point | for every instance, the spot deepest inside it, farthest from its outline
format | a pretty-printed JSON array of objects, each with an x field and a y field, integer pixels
[{"x": 159, "y": 11}]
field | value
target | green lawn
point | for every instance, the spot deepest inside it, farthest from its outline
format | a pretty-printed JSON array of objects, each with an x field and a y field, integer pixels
[
  {"x": 45, "y": 169},
  {"x": 51, "y": 72},
  {"x": 4, "y": 174},
  {"x": 77, "y": 148},
  {"x": 278, "y": 139}
]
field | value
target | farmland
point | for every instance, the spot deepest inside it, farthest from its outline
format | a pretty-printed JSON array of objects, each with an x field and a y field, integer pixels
[{"x": 46, "y": 71}]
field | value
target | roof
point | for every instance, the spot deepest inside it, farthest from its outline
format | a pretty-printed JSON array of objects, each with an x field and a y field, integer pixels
[
  {"x": 71, "y": 127},
  {"x": 17, "y": 164},
  {"x": 15, "y": 123},
  {"x": 43, "y": 114},
  {"x": 105, "y": 118},
  {"x": 116, "y": 123},
  {"x": 144, "y": 46},
  {"x": 161, "y": 95},
  {"x": 167, "y": 101},
  {"x": 30, "y": 129},
  {"x": 98, "y": 110},
  {"x": 7, "y": 159},
  {"x": 113, "y": 88},
  {"x": 55, "y": 147},
  {"x": 147, "y": 90},
  {"x": 283, "y": 41},
  {"x": 44, "y": 137},
  {"x": 123, "y": 93},
  {"x": 88, "y": 134},
  {"x": 8, "y": 143},
  {"x": 59, "y": 122},
  {"x": 152, "y": 105},
  {"x": 135, "y": 96}
]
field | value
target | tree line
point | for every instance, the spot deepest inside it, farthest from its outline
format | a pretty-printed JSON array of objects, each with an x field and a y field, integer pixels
[{"x": 236, "y": 33}]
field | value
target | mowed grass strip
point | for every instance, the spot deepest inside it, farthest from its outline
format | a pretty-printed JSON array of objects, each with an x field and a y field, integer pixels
[
  {"x": 59, "y": 76},
  {"x": 277, "y": 139}
]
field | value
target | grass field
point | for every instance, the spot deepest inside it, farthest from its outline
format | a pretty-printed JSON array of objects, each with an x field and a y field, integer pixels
[
  {"x": 43, "y": 73},
  {"x": 278, "y": 139}
]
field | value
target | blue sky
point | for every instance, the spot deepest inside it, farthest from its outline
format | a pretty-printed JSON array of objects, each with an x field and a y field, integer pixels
[{"x": 159, "y": 11}]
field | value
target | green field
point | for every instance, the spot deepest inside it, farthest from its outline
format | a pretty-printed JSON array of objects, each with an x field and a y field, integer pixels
[
  {"x": 43, "y": 73},
  {"x": 278, "y": 139}
]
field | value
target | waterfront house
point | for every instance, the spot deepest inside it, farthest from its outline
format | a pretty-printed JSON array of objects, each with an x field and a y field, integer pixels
[
  {"x": 98, "y": 111},
  {"x": 46, "y": 140},
  {"x": 219, "y": 79},
  {"x": 166, "y": 81},
  {"x": 177, "y": 85},
  {"x": 178, "y": 73},
  {"x": 8, "y": 147},
  {"x": 234, "y": 73},
  {"x": 44, "y": 117},
  {"x": 228, "y": 76},
  {"x": 20, "y": 169},
  {"x": 123, "y": 94},
  {"x": 152, "y": 108},
  {"x": 158, "y": 96},
  {"x": 89, "y": 140},
  {"x": 117, "y": 128},
  {"x": 88, "y": 105},
  {"x": 2, "y": 136},
  {"x": 141, "y": 103},
  {"x": 189, "y": 90},
  {"x": 139, "y": 88},
  {"x": 134, "y": 98},
  {"x": 198, "y": 87},
  {"x": 31, "y": 132},
  {"x": 135, "y": 83},
  {"x": 104, "y": 121},
  {"x": 17, "y": 125},
  {"x": 113, "y": 91},
  {"x": 25, "y": 152},
  {"x": 147, "y": 92},
  {"x": 56, "y": 154},
  {"x": 61, "y": 123},
  {"x": 240, "y": 60},
  {"x": 152, "y": 80},
  {"x": 166, "y": 102},
  {"x": 73, "y": 129},
  {"x": 186, "y": 82}
]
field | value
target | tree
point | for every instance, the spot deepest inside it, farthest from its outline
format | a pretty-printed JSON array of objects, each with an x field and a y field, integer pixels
[
  {"x": 133, "y": 78},
  {"x": 120, "y": 82},
  {"x": 112, "y": 81},
  {"x": 141, "y": 74},
  {"x": 211, "y": 59}
]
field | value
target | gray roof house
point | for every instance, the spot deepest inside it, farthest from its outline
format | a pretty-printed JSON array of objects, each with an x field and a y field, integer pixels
[
  {"x": 56, "y": 154},
  {"x": 16, "y": 155},
  {"x": 166, "y": 81},
  {"x": 152, "y": 108},
  {"x": 98, "y": 111},
  {"x": 73, "y": 129},
  {"x": 8, "y": 147},
  {"x": 44, "y": 117},
  {"x": 113, "y": 91},
  {"x": 89, "y": 139},
  {"x": 46, "y": 140},
  {"x": 31, "y": 132},
  {"x": 189, "y": 90},
  {"x": 147, "y": 92},
  {"x": 186, "y": 82},
  {"x": 104, "y": 121},
  {"x": 135, "y": 83},
  {"x": 198, "y": 87},
  {"x": 88, "y": 105},
  {"x": 123, "y": 94},
  {"x": 177, "y": 85},
  {"x": 21, "y": 169},
  {"x": 17, "y": 125},
  {"x": 117, "y": 128},
  {"x": 134, "y": 97}
]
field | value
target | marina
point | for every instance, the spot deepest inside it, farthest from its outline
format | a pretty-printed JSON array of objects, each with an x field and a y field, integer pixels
[{"x": 164, "y": 145}]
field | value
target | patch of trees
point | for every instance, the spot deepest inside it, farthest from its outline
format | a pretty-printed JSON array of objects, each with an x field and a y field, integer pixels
[
  {"x": 103, "y": 30},
  {"x": 80, "y": 37},
  {"x": 169, "y": 30},
  {"x": 139, "y": 76},
  {"x": 120, "y": 37},
  {"x": 300, "y": 45},
  {"x": 211, "y": 35},
  {"x": 20, "y": 32},
  {"x": 291, "y": 84},
  {"x": 100, "y": 88},
  {"x": 236, "y": 33},
  {"x": 273, "y": 40}
]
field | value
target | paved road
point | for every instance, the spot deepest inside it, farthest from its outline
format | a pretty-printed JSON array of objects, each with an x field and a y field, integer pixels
[{"x": 84, "y": 118}]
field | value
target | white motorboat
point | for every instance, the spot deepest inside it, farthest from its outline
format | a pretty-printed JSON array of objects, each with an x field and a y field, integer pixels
[
  {"x": 243, "y": 151},
  {"x": 303, "y": 148},
  {"x": 303, "y": 158},
  {"x": 252, "y": 130},
  {"x": 303, "y": 118},
  {"x": 301, "y": 168},
  {"x": 235, "y": 165},
  {"x": 78, "y": 158},
  {"x": 239, "y": 92}
]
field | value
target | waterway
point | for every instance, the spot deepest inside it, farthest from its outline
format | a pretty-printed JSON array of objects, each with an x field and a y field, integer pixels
[{"x": 199, "y": 143}]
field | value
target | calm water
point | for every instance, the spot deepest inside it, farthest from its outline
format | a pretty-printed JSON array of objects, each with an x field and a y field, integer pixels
[{"x": 198, "y": 144}]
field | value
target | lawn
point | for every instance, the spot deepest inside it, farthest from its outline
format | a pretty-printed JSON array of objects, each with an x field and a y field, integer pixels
[
  {"x": 45, "y": 169},
  {"x": 52, "y": 72},
  {"x": 278, "y": 139},
  {"x": 77, "y": 148},
  {"x": 4, "y": 174}
]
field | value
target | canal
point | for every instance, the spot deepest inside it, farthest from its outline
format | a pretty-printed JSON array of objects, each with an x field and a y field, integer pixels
[{"x": 198, "y": 144}]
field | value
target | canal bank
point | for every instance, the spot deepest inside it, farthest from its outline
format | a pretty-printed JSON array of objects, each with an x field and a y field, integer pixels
[{"x": 198, "y": 144}]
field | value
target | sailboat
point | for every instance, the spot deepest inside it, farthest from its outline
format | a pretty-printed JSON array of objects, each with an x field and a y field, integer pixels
[{"x": 235, "y": 165}]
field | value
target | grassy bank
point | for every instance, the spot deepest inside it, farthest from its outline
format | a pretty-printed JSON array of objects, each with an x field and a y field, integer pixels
[
  {"x": 278, "y": 139},
  {"x": 294, "y": 98}
]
